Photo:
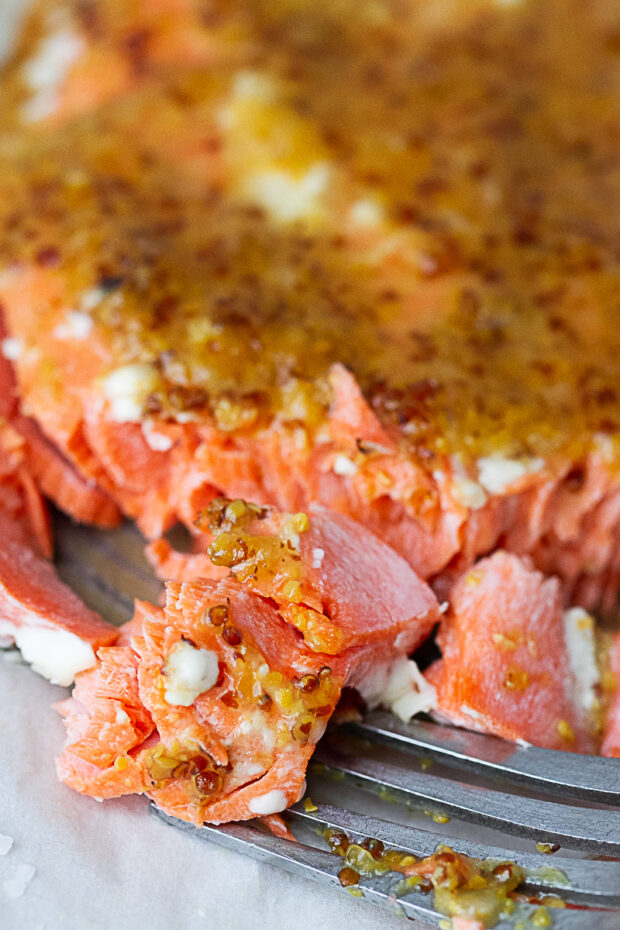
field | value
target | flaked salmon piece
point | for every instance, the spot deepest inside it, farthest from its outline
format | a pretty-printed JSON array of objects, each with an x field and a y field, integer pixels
[
  {"x": 232, "y": 732},
  {"x": 513, "y": 663},
  {"x": 59, "y": 481},
  {"x": 43, "y": 468},
  {"x": 215, "y": 705},
  {"x": 119, "y": 722},
  {"x": 611, "y": 735},
  {"x": 332, "y": 579},
  {"x": 56, "y": 633}
]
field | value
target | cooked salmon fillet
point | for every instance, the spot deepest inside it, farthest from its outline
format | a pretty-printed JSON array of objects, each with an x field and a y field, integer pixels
[
  {"x": 213, "y": 704},
  {"x": 356, "y": 263},
  {"x": 513, "y": 663},
  {"x": 375, "y": 274}
]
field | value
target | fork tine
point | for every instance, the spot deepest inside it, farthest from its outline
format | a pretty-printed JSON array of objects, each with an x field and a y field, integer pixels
[
  {"x": 589, "y": 829},
  {"x": 302, "y": 860},
  {"x": 594, "y": 882},
  {"x": 591, "y": 778},
  {"x": 323, "y": 867}
]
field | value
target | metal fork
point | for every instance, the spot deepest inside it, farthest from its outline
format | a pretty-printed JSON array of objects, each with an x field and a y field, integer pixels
[
  {"x": 529, "y": 795},
  {"x": 582, "y": 823}
]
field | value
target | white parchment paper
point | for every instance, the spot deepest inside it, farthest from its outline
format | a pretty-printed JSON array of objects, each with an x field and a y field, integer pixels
[{"x": 112, "y": 866}]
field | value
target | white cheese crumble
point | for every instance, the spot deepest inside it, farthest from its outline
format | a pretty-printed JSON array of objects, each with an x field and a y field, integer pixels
[
  {"x": 56, "y": 654},
  {"x": 121, "y": 716},
  {"x": 15, "y": 887},
  {"x": 469, "y": 493},
  {"x": 343, "y": 465},
  {"x": 92, "y": 298},
  {"x": 317, "y": 557},
  {"x": 255, "y": 86},
  {"x": 76, "y": 326},
  {"x": 399, "y": 685},
  {"x": 270, "y": 803},
  {"x": 581, "y": 648},
  {"x": 47, "y": 70},
  {"x": 159, "y": 442},
  {"x": 285, "y": 196},
  {"x": 366, "y": 213},
  {"x": 127, "y": 388},
  {"x": 12, "y": 348},
  {"x": 496, "y": 472},
  {"x": 189, "y": 671}
]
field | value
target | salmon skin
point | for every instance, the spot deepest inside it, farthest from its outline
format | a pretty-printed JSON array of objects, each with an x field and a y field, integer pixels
[
  {"x": 213, "y": 704},
  {"x": 292, "y": 321}
]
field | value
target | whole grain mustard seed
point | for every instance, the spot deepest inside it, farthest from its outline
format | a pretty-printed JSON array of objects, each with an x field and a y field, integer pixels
[
  {"x": 541, "y": 918},
  {"x": 218, "y": 614},
  {"x": 348, "y": 876},
  {"x": 565, "y": 731},
  {"x": 516, "y": 678}
]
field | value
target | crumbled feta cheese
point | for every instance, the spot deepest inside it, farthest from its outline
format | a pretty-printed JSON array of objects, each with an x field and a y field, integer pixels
[
  {"x": 254, "y": 85},
  {"x": 317, "y": 557},
  {"x": 189, "y": 671},
  {"x": 468, "y": 492},
  {"x": 407, "y": 691},
  {"x": 76, "y": 326},
  {"x": 121, "y": 716},
  {"x": 12, "y": 348},
  {"x": 127, "y": 389},
  {"x": 496, "y": 472},
  {"x": 366, "y": 213},
  {"x": 56, "y": 654},
  {"x": 92, "y": 298},
  {"x": 159, "y": 442},
  {"x": 15, "y": 887},
  {"x": 46, "y": 71},
  {"x": 269, "y": 803},
  {"x": 343, "y": 465},
  {"x": 400, "y": 686},
  {"x": 581, "y": 646},
  {"x": 285, "y": 196}
]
